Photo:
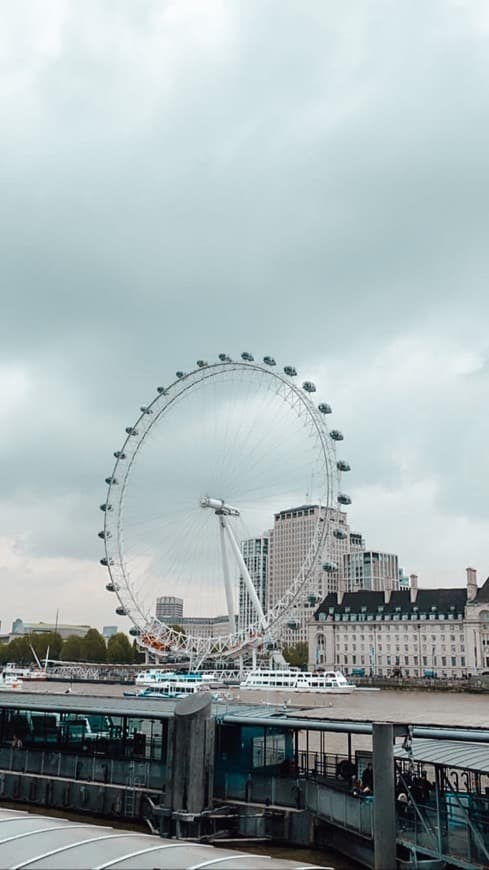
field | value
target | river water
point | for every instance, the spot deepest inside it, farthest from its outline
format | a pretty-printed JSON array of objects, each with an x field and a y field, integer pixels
[{"x": 416, "y": 707}]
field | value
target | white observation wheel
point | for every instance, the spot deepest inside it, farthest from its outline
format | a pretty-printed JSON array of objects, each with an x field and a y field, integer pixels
[{"x": 208, "y": 463}]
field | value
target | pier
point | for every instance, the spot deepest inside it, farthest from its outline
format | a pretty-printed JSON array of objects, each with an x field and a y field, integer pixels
[{"x": 205, "y": 770}]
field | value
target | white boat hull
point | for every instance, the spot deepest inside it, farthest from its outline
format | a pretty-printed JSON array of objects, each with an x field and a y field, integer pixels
[{"x": 327, "y": 683}]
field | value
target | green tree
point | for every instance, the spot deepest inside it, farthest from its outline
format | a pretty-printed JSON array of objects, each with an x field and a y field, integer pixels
[
  {"x": 297, "y": 655},
  {"x": 94, "y": 648},
  {"x": 48, "y": 640},
  {"x": 119, "y": 649},
  {"x": 19, "y": 651},
  {"x": 71, "y": 650},
  {"x": 138, "y": 655}
]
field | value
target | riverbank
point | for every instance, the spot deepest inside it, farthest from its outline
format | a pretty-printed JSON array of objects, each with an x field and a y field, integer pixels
[{"x": 473, "y": 686}]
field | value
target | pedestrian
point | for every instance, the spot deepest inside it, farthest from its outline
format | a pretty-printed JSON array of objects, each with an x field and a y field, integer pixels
[{"x": 368, "y": 777}]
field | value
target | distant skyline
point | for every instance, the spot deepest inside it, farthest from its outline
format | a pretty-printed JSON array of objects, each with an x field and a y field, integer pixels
[{"x": 182, "y": 179}]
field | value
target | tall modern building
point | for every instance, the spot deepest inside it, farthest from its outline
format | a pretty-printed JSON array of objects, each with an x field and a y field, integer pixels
[
  {"x": 370, "y": 570},
  {"x": 255, "y": 555},
  {"x": 290, "y": 541},
  {"x": 169, "y": 609}
]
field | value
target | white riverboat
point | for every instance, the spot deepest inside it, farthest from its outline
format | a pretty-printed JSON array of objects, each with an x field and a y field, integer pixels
[
  {"x": 170, "y": 689},
  {"x": 18, "y": 673},
  {"x": 331, "y": 682},
  {"x": 155, "y": 678}
]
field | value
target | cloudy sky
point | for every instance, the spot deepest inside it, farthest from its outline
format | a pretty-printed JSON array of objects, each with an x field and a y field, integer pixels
[{"x": 184, "y": 178}]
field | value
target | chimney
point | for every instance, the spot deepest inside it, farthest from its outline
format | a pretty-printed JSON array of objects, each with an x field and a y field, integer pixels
[
  {"x": 471, "y": 584},
  {"x": 339, "y": 596},
  {"x": 413, "y": 588},
  {"x": 387, "y": 595}
]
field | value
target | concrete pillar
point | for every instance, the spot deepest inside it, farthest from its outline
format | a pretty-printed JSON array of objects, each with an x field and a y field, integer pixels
[
  {"x": 192, "y": 776},
  {"x": 385, "y": 824}
]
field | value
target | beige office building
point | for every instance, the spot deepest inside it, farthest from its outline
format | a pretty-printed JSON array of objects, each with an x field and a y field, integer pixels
[{"x": 290, "y": 541}]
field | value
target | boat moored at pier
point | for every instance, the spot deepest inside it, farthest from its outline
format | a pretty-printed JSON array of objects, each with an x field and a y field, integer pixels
[{"x": 333, "y": 682}]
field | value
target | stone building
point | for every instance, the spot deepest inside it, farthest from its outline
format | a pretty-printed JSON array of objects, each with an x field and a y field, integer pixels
[{"x": 415, "y": 632}]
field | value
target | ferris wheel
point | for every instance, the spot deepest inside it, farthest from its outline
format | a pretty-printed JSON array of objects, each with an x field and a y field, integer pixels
[{"x": 205, "y": 468}]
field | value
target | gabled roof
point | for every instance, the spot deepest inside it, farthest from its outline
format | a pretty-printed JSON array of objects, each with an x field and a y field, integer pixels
[{"x": 442, "y": 599}]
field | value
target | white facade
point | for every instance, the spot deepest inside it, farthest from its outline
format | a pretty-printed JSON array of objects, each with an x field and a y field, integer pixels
[
  {"x": 415, "y": 633},
  {"x": 205, "y": 626},
  {"x": 255, "y": 555}
]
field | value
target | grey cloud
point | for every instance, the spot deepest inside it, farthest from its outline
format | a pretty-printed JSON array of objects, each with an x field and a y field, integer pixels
[{"x": 309, "y": 180}]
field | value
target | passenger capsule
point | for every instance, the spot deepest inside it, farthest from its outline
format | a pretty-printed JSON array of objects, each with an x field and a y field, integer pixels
[
  {"x": 336, "y": 435},
  {"x": 309, "y": 387},
  {"x": 292, "y": 623},
  {"x": 111, "y": 481},
  {"x": 290, "y": 371},
  {"x": 340, "y": 534},
  {"x": 162, "y": 391},
  {"x": 146, "y": 410},
  {"x": 248, "y": 357},
  {"x": 341, "y": 465},
  {"x": 106, "y": 562},
  {"x": 180, "y": 374},
  {"x": 224, "y": 357},
  {"x": 134, "y": 632},
  {"x": 106, "y": 507},
  {"x": 104, "y": 535},
  {"x": 121, "y": 611},
  {"x": 269, "y": 361},
  {"x": 202, "y": 363},
  {"x": 131, "y": 430},
  {"x": 110, "y": 586},
  {"x": 325, "y": 408},
  {"x": 312, "y": 599},
  {"x": 119, "y": 454},
  {"x": 330, "y": 566},
  {"x": 343, "y": 499}
]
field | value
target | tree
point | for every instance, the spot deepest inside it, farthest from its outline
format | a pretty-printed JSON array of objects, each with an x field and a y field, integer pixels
[
  {"x": 93, "y": 647},
  {"x": 48, "y": 640},
  {"x": 138, "y": 655},
  {"x": 72, "y": 649},
  {"x": 119, "y": 649},
  {"x": 19, "y": 650},
  {"x": 297, "y": 655}
]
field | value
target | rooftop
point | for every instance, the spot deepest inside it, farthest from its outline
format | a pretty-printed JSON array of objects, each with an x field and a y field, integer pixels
[{"x": 366, "y": 601}]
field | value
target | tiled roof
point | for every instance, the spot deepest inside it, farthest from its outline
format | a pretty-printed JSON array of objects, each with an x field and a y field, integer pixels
[{"x": 443, "y": 599}]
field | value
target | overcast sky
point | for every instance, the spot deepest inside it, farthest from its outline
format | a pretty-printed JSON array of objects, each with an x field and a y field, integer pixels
[{"x": 183, "y": 178}]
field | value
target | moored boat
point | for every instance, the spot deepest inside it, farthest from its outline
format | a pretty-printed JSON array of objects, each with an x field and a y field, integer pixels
[
  {"x": 330, "y": 682},
  {"x": 20, "y": 673},
  {"x": 10, "y": 683},
  {"x": 170, "y": 689}
]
